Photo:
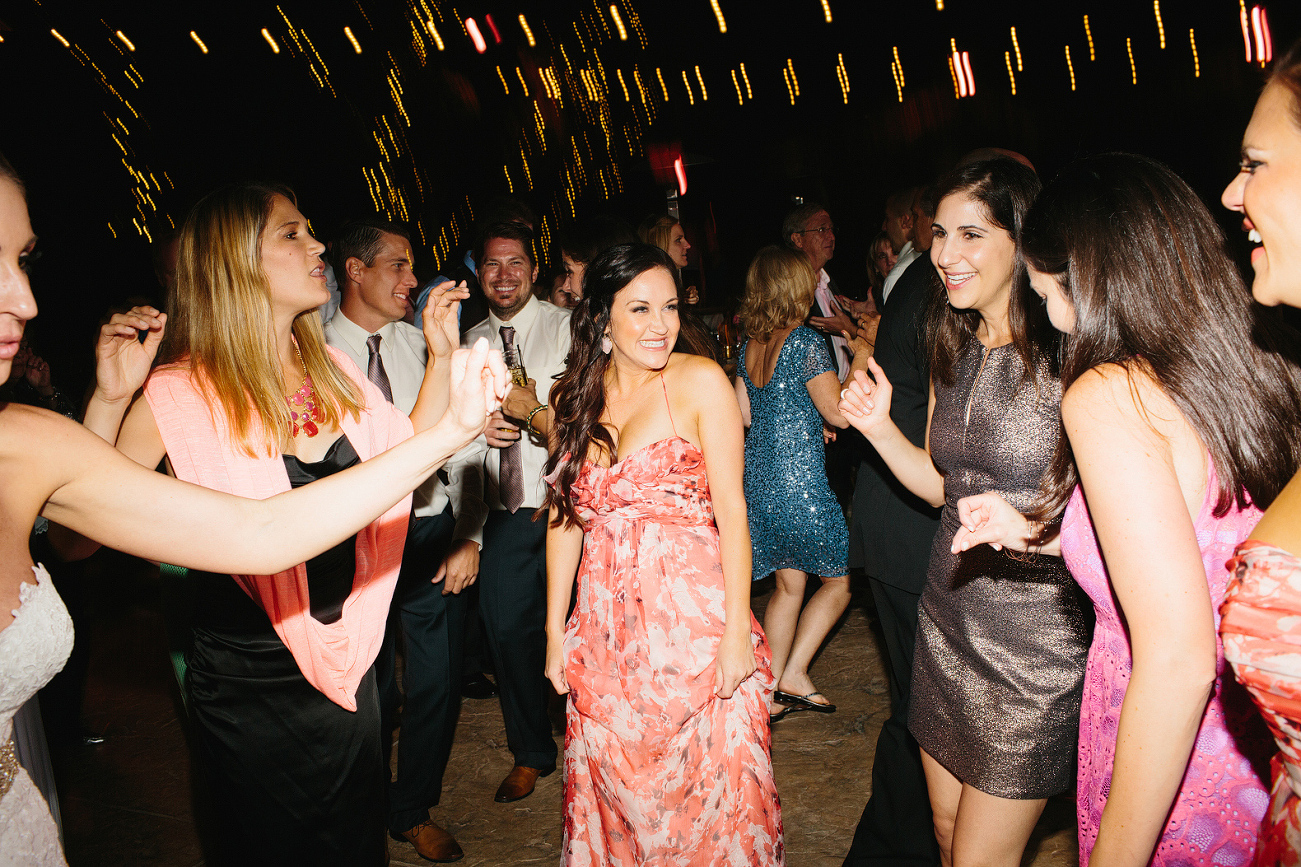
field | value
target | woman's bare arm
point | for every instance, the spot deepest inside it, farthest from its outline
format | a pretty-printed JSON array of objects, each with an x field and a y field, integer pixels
[
  {"x": 1145, "y": 531},
  {"x": 564, "y": 548}
]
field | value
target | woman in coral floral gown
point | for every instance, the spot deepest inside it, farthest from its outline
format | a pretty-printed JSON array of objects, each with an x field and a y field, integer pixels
[
  {"x": 1261, "y": 623},
  {"x": 667, "y": 745}
]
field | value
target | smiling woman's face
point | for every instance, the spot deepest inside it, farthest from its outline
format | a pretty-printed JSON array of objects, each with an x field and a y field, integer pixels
[
  {"x": 1267, "y": 192},
  {"x": 16, "y": 302}
]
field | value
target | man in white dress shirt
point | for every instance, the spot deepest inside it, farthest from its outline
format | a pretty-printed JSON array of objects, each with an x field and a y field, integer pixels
[
  {"x": 373, "y": 262},
  {"x": 512, "y": 572}
]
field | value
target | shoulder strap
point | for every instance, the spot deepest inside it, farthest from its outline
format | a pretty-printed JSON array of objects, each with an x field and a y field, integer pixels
[{"x": 667, "y": 406}]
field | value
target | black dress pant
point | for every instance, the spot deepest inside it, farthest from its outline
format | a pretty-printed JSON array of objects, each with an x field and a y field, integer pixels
[
  {"x": 431, "y": 629},
  {"x": 513, "y": 603},
  {"x": 896, "y": 827}
]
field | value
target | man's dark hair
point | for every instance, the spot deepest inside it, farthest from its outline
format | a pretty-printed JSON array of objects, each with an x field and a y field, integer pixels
[
  {"x": 507, "y": 209},
  {"x": 361, "y": 239},
  {"x": 796, "y": 219},
  {"x": 513, "y": 231}
]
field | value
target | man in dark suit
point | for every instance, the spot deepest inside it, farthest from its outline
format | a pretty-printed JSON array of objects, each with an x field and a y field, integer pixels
[{"x": 891, "y": 539}]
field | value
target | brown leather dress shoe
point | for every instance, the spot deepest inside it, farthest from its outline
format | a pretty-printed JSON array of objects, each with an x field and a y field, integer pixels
[
  {"x": 433, "y": 843},
  {"x": 518, "y": 784}
]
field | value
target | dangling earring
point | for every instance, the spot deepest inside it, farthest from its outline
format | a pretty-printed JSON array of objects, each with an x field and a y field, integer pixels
[{"x": 606, "y": 345}]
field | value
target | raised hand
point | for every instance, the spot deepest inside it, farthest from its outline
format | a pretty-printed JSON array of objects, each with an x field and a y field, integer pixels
[
  {"x": 866, "y": 404},
  {"x": 520, "y": 399},
  {"x": 122, "y": 361},
  {"x": 478, "y": 382},
  {"x": 439, "y": 319}
]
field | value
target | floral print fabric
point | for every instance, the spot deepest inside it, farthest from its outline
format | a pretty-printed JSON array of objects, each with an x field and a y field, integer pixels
[
  {"x": 1261, "y": 627},
  {"x": 658, "y": 770}
]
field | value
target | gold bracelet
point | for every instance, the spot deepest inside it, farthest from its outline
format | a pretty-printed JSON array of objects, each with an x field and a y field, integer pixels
[{"x": 528, "y": 420}]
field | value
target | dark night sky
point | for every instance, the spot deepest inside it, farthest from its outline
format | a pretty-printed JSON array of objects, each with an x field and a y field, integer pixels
[{"x": 241, "y": 111}]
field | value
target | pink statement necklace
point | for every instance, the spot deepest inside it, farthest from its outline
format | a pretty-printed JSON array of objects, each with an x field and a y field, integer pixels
[{"x": 302, "y": 403}]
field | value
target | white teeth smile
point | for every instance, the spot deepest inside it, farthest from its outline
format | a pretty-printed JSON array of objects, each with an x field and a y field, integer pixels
[
  {"x": 652, "y": 344},
  {"x": 959, "y": 279},
  {"x": 1254, "y": 237}
]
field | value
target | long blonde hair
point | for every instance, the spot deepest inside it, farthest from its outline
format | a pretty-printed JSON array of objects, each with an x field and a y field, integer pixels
[
  {"x": 220, "y": 324},
  {"x": 657, "y": 229},
  {"x": 779, "y": 290}
]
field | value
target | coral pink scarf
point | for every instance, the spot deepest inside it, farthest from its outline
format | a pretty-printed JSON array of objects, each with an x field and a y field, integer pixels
[{"x": 332, "y": 656}]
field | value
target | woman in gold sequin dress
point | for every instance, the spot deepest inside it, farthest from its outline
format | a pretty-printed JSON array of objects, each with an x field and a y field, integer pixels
[{"x": 1001, "y": 641}]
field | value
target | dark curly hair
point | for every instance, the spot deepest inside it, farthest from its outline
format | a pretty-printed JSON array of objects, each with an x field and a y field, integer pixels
[{"x": 578, "y": 397}]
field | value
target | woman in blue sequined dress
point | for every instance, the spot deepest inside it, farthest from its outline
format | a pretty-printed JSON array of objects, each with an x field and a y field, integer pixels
[{"x": 787, "y": 386}]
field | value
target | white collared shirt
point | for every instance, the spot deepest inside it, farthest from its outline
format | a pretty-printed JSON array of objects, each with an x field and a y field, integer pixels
[
  {"x": 906, "y": 257},
  {"x": 542, "y": 343},
  {"x": 403, "y": 350}
]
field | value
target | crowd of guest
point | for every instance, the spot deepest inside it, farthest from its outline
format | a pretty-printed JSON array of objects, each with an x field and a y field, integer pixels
[{"x": 1041, "y": 432}]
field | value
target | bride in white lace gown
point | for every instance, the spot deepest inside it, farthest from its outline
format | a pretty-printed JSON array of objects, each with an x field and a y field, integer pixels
[{"x": 52, "y": 466}]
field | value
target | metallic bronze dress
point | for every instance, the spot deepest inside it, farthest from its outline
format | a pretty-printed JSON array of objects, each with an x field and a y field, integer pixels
[{"x": 1002, "y": 642}]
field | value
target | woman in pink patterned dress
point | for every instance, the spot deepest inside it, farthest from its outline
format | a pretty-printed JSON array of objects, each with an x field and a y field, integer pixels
[
  {"x": 1261, "y": 622},
  {"x": 1172, "y": 415},
  {"x": 667, "y": 745}
]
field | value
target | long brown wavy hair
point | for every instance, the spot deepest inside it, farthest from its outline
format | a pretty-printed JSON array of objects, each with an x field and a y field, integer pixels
[
  {"x": 578, "y": 397},
  {"x": 1005, "y": 189},
  {"x": 1142, "y": 262},
  {"x": 219, "y": 323}
]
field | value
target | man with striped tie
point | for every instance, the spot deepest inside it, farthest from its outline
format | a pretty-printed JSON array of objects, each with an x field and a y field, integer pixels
[
  {"x": 373, "y": 262},
  {"x": 512, "y": 577}
]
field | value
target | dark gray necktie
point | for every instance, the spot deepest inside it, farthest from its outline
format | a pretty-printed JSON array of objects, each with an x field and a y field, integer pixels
[
  {"x": 511, "y": 478},
  {"x": 375, "y": 368}
]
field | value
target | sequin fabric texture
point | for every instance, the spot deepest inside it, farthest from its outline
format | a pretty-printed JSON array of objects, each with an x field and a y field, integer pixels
[
  {"x": 1217, "y": 812},
  {"x": 1001, "y": 641},
  {"x": 658, "y": 770},
  {"x": 1261, "y": 628},
  {"x": 795, "y": 521}
]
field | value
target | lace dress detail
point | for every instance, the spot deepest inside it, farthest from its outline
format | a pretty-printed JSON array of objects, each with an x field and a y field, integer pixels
[
  {"x": 33, "y": 648},
  {"x": 1261, "y": 628},
  {"x": 1221, "y": 800},
  {"x": 658, "y": 770}
]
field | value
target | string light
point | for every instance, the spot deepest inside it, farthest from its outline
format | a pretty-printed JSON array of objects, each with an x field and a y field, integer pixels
[
  {"x": 826, "y": 10},
  {"x": 953, "y": 73},
  {"x": 718, "y": 13},
  {"x": 1197, "y": 64},
  {"x": 1016, "y": 46},
  {"x": 740, "y": 100},
  {"x": 198, "y": 42},
  {"x": 790, "y": 64},
  {"x": 1070, "y": 67},
  {"x": 746, "y": 78},
  {"x": 663, "y": 86},
  {"x": 1160, "y": 26},
  {"x": 472, "y": 29},
  {"x": 59, "y": 36},
  {"x": 704, "y": 94},
  {"x": 433, "y": 31},
  {"x": 130, "y": 46},
  {"x": 1133, "y": 70},
  {"x": 842, "y": 74},
  {"x": 528, "y": 31},
  {"x": 1088, "y": 32},
  {"x": 504, "y": 85},
  {"x": 356, "y": 46},
  {"x": 266, "y": 34},
  {"x": 1007, "y": 58},
  {"x": 786, "y": 74},
  {"x": 626, "y": 97},
  {"x": 524, "y": 84},
  {"x": 691, "y": 97},
  {"x": 618, "y": 23}
]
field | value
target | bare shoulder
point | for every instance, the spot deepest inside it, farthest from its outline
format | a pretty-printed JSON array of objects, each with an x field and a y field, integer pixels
[
  {"x": 1125, "y": 395},
  {"x": 701, "y": 376}
]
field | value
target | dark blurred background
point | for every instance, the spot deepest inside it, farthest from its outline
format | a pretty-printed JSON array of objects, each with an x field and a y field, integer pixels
[{"x": 115, "y": 140}]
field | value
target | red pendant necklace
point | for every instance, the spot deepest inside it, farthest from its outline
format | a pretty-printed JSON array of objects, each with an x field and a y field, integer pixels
[{"x": 302, "y": 403}]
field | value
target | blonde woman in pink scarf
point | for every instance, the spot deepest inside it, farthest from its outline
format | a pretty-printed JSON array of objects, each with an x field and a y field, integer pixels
[{"x": 250, "y": 400}]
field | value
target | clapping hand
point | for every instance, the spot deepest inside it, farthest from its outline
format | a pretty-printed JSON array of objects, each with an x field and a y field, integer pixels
[
  {"x": 866, "y": 404},
  {"x": 122, "y": 361},
  {"x": 439, "y": 318}
]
